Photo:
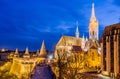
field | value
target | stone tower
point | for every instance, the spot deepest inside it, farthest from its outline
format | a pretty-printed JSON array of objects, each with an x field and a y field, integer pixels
[
  {"x": 93, "y": 26},
  {"x": 43, "y": 50}
]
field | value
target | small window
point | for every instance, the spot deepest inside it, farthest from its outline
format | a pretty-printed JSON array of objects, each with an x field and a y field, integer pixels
[{"x": 93, "y": 56}]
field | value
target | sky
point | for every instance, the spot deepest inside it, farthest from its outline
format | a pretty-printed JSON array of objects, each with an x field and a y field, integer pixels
[{"x": 25, "y": 23}]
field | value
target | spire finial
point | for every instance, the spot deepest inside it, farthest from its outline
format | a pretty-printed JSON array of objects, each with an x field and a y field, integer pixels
[
  {"x": 77, "y": 31},
  {"x": 93, "y": 12},
  {"x": 83, "y": 38},
  {"x": 77, "y": 27},
  {"x": 83, "y": 35},
  {"x": 93, "y": 5}
]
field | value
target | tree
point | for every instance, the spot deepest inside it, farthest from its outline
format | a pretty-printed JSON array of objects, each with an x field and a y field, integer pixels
[{"x": 69, "y": 64}]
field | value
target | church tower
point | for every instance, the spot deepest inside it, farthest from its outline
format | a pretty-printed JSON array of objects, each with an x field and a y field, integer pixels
[
  {"x": 93, "y": 26},
  {"x": 77, "y": 31}
]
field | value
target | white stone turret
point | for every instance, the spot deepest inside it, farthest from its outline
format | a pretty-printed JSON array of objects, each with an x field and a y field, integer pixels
[
  {"x": 83, "y": 38},
  {"x": 37, "y": 53},
  {"x": 86, "y": 39},
  {"x": 77, "y": 31},
  {"x": 26, "y": 54},
  {"x": 83, "y": 42},
  {"x": 16, "y": 53},
  {"x": 43, "y": 52}
]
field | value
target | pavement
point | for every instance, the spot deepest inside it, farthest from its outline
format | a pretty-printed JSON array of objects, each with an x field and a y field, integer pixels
[{"x": 93, "y": 76}]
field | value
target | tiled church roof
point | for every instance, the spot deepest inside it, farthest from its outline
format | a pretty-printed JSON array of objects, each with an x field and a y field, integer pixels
[{"x": 67, "y": 40}]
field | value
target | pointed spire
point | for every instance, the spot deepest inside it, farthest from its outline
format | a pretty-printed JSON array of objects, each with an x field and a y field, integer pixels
[
  {"x": 16, "y": 53},
  {"x": 86, "y": 39},
  {"x": 77, "y": 31},
  {"x": 83, "y": 37},
  {"x": 26, "y": 54},
  {"x": 93, "y": 12},
  {"x": 83, "y": 42},
  {"x": 37, "y": 53},
  {"x": 43, "y": 50}
]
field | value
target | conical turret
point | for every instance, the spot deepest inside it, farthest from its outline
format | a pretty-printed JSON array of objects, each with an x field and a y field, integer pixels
[
  {"x": 26, "y": 55},
  {"x": 16, "y": 53},
  {"x": 43, "y": 51},
  {"x": 37, "y": 53}
]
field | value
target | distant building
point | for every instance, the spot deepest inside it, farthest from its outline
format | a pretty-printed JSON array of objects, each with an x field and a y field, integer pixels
[
  {"x": 4, "y": 54},
  {"x": 110, "y": 50}
]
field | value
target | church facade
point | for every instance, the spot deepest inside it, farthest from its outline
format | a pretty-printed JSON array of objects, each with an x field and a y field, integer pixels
[{"x": 87, "y": 46}]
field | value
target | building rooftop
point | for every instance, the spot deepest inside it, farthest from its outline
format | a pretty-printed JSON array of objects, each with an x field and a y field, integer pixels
[
  {"x": 110, "y": 28},
  {"x": 77, "y": 48},
  {"x": 68, "y": 40}
]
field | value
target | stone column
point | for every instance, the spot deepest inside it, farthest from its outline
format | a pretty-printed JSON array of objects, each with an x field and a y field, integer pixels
[
  {"x": 115, "y": 56},
  {"x": 118, "y": 53},
  {"x": 108, "y": 54},
  {"x": 102, "y": 64}
]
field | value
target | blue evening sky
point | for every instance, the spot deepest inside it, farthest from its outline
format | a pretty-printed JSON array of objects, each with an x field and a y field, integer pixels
[{"x": 28, "y": 22}]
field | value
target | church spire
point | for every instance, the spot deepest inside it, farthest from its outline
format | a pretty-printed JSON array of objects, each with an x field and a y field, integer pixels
[
  {"x": 93, "y": 26},
  {"x": 93, "y": 12},
  {"x": 43, "y": 50},
  {"x": 77, "y": 31}
]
